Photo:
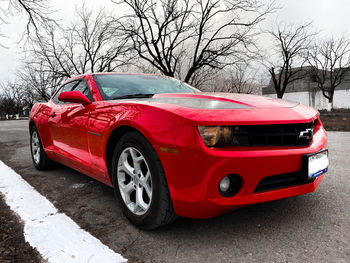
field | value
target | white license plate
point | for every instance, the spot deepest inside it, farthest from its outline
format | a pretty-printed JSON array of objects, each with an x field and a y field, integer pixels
[{"x": 318, "y": 164}]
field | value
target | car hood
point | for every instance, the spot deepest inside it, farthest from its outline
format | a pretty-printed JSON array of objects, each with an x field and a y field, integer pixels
[
  {"x": 215, "y": 100},
  {"x": 209, "y": 108}
]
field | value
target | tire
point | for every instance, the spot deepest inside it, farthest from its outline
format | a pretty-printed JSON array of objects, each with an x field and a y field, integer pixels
[
  {"x": 39, "y": 157},
  {"x": 137, "y": 174}
]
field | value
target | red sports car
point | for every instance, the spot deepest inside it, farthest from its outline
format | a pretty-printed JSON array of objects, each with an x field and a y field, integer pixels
[{"x": 170, "y": 150}]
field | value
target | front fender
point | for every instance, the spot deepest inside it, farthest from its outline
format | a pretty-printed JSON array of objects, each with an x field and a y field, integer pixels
[{"x": 153, "y": 123}]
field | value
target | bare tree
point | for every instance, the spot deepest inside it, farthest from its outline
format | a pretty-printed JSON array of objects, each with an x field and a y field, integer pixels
[
  {"x": 15, "y": 99},
  {"x": 241, "y": 80},
  {"x": 37, "y": 13},
  {"x": 204, "y": 78},
  {"x": 13, "y": 95},
  {"x": 238, "y": 79},
  {"x": 291, "y": 46},
  {"x": 200, "y": 33},
  {"x": 105, "y": 49},
  {"x": 38, "y": 83},
  {"x": 92, "y": 44},
  {"x": 7, "y": 106},
  {"x": 330, "y": 62}
]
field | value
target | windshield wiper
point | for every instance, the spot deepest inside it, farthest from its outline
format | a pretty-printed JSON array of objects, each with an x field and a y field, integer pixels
[{"x": 137, "y": 95}]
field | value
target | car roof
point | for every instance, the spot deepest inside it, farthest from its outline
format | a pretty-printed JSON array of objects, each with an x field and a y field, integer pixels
[
  {"x": 110, "y": 73},
  {"x": 116, "y": 73}
]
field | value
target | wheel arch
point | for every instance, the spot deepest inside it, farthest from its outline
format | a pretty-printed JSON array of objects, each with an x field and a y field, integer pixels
[
  {"x": 31, "y": 124},
  {"x": 112, "y": 141}
]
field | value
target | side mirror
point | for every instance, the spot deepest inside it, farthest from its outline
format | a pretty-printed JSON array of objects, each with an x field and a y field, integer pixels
[{"x": 73, "y": 97}]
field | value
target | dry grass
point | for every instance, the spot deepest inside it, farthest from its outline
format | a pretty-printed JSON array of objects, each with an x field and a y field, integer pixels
[{"x": 336, "y": 120}]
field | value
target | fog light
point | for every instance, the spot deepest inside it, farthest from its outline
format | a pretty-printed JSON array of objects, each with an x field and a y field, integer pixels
[
  {"x": 225, "y": 184},
  {"x": 230, "y": 185}
]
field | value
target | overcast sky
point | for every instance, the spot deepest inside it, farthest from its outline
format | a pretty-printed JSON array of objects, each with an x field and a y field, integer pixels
[{"x": 329, "y": 16}]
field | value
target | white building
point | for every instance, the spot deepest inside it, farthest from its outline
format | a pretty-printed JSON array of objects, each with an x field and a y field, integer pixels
[{"x": 305, "y": 91}]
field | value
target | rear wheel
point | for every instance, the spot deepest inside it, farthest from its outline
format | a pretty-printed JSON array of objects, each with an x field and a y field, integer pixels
[
  {"x": 39, "y": 157},
  {"x": 140, "y": 184}
]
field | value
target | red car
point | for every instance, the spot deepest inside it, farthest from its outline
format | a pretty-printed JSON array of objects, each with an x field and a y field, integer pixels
[{"x": 170, "y": 150}]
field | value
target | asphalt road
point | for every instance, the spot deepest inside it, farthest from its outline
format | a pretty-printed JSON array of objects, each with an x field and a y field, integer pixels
[{"x": 309, "y": 228}]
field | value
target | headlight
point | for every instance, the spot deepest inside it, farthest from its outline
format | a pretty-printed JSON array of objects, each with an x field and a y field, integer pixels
[{"x": 216, "y": 136}]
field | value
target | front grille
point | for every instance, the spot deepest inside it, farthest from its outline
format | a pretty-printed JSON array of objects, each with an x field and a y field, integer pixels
[
  {"x": 299, "y": 134},
  {"x": 275, "y": 182}
]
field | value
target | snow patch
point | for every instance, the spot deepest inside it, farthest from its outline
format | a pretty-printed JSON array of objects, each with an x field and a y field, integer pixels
[
  {"x": 77, "y": 186},
  {"x": 56, "y": 236}
]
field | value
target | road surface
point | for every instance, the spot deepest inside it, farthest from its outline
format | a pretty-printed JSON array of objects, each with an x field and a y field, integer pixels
[{"x": 309, "y": 228}]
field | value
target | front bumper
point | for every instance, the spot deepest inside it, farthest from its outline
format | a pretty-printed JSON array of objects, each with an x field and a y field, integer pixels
[{"x": 193, "y": 175}]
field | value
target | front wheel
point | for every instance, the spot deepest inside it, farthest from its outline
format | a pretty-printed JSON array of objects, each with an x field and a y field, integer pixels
[
  {"x": 140, "y": 184},
  {"x": 39, "y": 157}
]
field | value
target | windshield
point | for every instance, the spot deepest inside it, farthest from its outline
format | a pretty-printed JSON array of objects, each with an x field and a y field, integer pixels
[{"x": 112, "y": 86}]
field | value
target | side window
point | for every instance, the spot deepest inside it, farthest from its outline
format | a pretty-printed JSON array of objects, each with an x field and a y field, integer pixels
[
  {"x": 67, "y": 87},
  {"x": 83, "y": 87}
]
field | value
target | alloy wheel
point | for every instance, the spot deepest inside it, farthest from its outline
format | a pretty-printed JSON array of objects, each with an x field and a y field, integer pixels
[
  {"x": 36, "y": 147},
  {"x": 134, "y": 181}
]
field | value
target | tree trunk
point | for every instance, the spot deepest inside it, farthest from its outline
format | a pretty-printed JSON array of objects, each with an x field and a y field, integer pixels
[
  {"x": 279, "y": 94},
  {"x": 329, "y": 106},
  {"x": 330, "y": 101}
]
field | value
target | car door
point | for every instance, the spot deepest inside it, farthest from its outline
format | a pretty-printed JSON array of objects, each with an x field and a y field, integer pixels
[{"x": 68, "y": 126}]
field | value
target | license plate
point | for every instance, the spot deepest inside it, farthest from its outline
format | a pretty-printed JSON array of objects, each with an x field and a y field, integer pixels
[{"x": 317, "y": 164}]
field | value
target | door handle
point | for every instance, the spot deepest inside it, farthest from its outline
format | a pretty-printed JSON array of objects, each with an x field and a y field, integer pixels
[{"x": 52, "y": 115}]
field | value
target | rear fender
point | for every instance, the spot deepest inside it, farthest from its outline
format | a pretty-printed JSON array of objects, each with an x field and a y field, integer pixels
[{"x": 39, "y": 116}]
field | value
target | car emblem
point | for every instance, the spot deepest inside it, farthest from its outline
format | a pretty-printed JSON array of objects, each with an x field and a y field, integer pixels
[{"x": 307, "y": 134}]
